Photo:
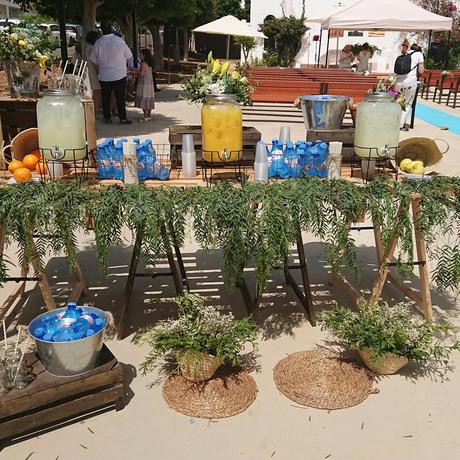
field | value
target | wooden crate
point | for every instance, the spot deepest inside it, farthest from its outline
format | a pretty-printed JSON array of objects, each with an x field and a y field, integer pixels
[
  {"x": 49, "y": 401},
  {"x": 250, "y": 138},
  {"x": 345, "y": 135}
]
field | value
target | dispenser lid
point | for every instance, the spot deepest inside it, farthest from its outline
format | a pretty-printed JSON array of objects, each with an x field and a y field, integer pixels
[
  {"x": 59, "y": 92},
  {"x": 380, "y": 96}
]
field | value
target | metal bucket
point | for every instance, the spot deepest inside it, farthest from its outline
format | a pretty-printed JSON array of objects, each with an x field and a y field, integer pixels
[
  {"x": 324, "y": 112},
  {"x": 65, "y": 359}
]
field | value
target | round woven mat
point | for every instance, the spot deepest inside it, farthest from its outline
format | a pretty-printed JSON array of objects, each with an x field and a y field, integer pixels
[
  {"x": 220, "y": 397},
  {"x": 322, "y": 380}
]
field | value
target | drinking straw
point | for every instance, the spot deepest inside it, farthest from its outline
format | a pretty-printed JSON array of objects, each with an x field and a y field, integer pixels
[
  {"x": 80, "y": 77},
  {"x": 4, "y": 335},
  {"x": 21, "y": 360},
  {"x": 75, "y": 66},
  {"x": 63, "y": 73},
  {"x": 17, "y": 340}
]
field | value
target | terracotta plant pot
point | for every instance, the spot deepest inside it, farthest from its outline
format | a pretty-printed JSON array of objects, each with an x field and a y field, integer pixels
[
  {"x": 387, "y": 364},
  {"x": 197, "y": 367}
]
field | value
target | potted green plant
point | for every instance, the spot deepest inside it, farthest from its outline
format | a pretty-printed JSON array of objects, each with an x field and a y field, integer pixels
[
  {"x": 201, "y": 339},
  {"x": 388, "y": 337}
]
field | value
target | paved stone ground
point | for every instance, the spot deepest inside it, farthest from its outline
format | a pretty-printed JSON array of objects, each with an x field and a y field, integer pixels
[{"x": 412, "y": 418}]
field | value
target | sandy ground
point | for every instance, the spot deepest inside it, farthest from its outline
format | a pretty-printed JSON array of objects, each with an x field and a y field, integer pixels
[{"x": 413, "y": 417}]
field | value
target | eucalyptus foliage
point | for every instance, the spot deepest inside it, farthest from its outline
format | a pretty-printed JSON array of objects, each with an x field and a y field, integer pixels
[{"x": 252, "y": 224}]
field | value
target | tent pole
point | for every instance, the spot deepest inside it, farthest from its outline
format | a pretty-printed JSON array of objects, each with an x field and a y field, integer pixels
[
  {"x": 337, "y": 52},
  {"x": 327, "y": 47},
  {"x": 319, "y": 52},
  {"x": 228, "y": 46},
  {"x": 447, "y": 50},
  {"x": 429, "y": 46}
]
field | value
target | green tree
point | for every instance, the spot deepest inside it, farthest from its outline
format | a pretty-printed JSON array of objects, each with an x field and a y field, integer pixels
[
  {"x": 247, "y": 44},
  {"x": 233, "y": 7},
  {"x": 286, "y": 33}
]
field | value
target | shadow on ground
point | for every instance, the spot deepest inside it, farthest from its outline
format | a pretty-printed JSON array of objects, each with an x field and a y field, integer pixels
[{"x": 152, "y": 299}]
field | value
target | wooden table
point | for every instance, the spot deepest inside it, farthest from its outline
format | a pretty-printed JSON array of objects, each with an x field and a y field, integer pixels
[
  {"x": 250, "y": 138},
  {"x": 49, "y": 401}
]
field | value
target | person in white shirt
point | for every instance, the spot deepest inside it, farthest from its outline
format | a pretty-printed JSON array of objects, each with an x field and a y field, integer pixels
[
  {"x": 407, "y": 84},
  {"x": 111, "y": 55}
]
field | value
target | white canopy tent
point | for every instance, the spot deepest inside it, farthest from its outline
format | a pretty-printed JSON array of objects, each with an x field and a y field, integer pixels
[
  {"x": 394, "y": 15},
  {"x": 388, "y": 15},
  {"x": 339, "y": 6},
  {"x": 229, "y": 25}
]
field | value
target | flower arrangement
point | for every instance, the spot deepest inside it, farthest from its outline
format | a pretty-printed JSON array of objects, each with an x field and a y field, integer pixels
[
  {"x": 28, "y": 44},
  {"x": 216, "y": 78},
  {"x": 199, "y": 330},
  {"x": 388, "y": 86},
  {"x": 383, "y": 329}
]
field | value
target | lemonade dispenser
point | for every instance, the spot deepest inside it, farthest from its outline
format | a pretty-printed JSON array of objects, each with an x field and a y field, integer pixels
[
  {"x": 377, "y": 126},
  {"x": 61, "y": 125},
  {"x": 222, "y": 128}
]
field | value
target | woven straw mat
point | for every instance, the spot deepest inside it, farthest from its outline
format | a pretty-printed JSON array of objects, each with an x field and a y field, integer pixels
[
  {"x": 220, "y": 397},
  {"x": 322, "y": 380}
]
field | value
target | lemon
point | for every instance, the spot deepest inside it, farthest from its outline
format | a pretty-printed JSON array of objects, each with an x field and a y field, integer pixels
[
  {"x": 405, "y": 164},
  {"x": 418, "y": 162},
  {"x": 417, "y": 168}
]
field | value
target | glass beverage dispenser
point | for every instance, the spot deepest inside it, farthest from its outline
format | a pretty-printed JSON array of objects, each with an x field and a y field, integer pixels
[
  {"x": 222, "y": 128},
  {"x": 377, "y": 126},
  {"x": 61, "y": 126}
]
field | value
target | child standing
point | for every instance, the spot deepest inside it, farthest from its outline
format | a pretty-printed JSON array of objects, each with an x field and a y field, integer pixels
[{"x": 145, "y": 92}]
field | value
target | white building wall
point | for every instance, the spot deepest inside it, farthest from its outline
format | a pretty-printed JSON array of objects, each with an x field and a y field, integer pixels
[
  {"x": 389, "y": 43},
  {"x": 9, "y": 9}
]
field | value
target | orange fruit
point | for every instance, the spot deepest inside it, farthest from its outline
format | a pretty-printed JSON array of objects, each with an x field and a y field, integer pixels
[
  {"x": 37, "y": 153},
  {"x": 22, "y": 175},
  {"x": 41, "y": 168},
  {"x": 15, "y": 164},
  {"x": 30, "y": 161}
]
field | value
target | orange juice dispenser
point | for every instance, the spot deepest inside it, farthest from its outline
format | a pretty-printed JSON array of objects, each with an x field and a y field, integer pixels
[{"x": 222, "y": 128}]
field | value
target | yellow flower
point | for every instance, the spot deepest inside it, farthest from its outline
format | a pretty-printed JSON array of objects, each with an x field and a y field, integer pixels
[
  {"x": 224, "y": 69},
  {"x": 22, "y": 42},
  {"x": 14, "y": 37},
  {"x": 42, "y": 62},
  {"x": 243, "y": 80},
  {"x": 235, "y": 75},
  {"x": 216, "y": 66}
]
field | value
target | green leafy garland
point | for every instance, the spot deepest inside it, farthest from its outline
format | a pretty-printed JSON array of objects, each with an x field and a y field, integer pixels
[{"x": 251, "y": 223}]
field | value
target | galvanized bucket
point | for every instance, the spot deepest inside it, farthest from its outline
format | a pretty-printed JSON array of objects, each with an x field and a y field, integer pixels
[
  {"x": 65, "y": 359},
  {"x": 324, "y": 112}
]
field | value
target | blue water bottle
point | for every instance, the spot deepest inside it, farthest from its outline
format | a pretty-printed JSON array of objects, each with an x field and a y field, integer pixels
[
  {"x": 117, "y": 161},
  {"x": 277, "y": 159},
  {"x": 288, "y": 158},
  {"x": 159, "y": 171},
  {"x": 141, "y": 163},
  {"x": 148, "y": 146},
  {"x": 323, "y": 151}
]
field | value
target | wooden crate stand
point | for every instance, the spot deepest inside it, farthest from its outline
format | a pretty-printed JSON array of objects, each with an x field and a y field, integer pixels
[{"x": 49, "y": 401}]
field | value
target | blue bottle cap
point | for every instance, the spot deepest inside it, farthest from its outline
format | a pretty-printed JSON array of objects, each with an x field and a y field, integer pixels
[
  {"x": 72, "y": 305},
  {"x": 90, "y": 332},
  {"x": 48, "y": 337}
]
